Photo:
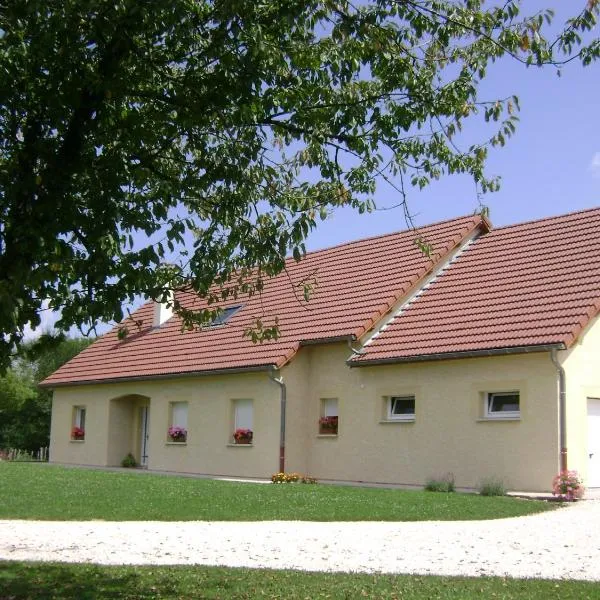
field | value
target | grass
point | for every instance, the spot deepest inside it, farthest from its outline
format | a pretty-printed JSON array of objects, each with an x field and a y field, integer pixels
[
  {"x": 48, "y": 492},
  {"x": 44, "y": 581},
  {"x": 441, "y": 484},
  {"x": 492, "y": 487}
]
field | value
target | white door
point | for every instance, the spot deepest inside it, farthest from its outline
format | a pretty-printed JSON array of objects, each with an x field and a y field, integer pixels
[
  {"x": 593, "y": 407},
  {"x": 145, "y": 434}
]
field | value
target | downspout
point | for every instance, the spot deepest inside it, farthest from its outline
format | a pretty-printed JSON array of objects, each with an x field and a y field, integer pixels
[
  {"x": 282, "y": 402},
  {"x": 562, "y": 410}
]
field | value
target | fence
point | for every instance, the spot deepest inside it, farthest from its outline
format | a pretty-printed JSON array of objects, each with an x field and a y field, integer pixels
[{"x": 15, "y": 454}]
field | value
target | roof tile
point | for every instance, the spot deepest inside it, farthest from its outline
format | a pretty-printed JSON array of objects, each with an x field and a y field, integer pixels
[
  {"x": 357, "y": 283},
  {"x": 531, "y": 284}
]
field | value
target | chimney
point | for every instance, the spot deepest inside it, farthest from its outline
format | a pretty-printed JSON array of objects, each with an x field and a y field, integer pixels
[{"x": 163, "y": 311}]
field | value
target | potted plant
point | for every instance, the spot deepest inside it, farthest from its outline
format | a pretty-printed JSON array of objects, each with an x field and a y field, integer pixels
[
  {"x": 177, "y": 434},
  {"x": 328, "y": 425},
  {"x": 243, "y": 436},
  {"x": 77, "y": 433}
]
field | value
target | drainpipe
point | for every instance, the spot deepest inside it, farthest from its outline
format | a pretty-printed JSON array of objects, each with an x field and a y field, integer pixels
[
  {"x": 282, "y": 402},
  {"x": 562, "y": 410}
]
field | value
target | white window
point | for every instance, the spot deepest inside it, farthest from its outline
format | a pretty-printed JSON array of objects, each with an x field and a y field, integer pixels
[
  {"x": 179, "y": 414},
  {"x": 78, "y": 423},
  {"x": 502, "y": 405},
  {"x": 243, "y": 421},
  {"x": 329, "y": 419},
  {"x": 401, "y": 408},
  {"x": 178, "y": 429}
]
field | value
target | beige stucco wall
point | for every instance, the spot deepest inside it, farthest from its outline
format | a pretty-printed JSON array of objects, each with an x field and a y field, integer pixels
[
  {"x": 297, "y": 378},
  {"x": 448, "y": 434},
  {"x": 582, "y": 370},
  {"x": 113, "y": 429}
]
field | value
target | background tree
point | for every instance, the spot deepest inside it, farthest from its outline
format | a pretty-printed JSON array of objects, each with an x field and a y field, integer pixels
[
  {"x": 240, "y": 121},
  {"x": 24, "y": 408}
]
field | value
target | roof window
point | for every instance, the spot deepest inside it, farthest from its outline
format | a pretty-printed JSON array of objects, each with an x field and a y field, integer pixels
[{"x": 224, "y": 316}]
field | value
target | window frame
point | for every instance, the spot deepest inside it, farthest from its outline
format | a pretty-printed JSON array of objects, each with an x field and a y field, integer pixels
[
  {"x": 495, "y": 415},
  {"x": 173, "y": 423},
  {"x": 235, "y": 403},
  {"x": 324, "y": 409},
  {"x": 227, "y": 312},
  {"x": 79, "y": 410},
  {"x": 405, "y": 417}
]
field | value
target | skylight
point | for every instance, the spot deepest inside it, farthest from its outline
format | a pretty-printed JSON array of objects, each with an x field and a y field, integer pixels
[{"x": 225, "y": 315}]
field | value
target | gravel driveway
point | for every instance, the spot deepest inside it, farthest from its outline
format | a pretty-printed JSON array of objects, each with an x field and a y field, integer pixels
[{"x": 560, "y": 544}]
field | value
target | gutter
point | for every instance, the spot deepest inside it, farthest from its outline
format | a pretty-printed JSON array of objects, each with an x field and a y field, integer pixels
[
  {"x": 282, "y": 403},
  {"x": 328, "y": 340},
  {"x": 461, "y": 354},
  {"x": 562, "y": 410}
]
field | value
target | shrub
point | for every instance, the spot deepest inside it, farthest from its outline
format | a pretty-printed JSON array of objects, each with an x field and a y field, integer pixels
[
  {"x": 129, "y": 462},
  {"x": 492, "y": 487},
  {"x": 567, "y": 485},
  {"x": 307, "y": 479},
  {"x": 292, "y": 478},
  {"x": 441, "y": 484}
]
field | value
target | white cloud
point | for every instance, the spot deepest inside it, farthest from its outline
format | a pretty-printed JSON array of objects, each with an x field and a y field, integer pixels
[
  {"x": 595, "y": 165},
  {"x": 48, "y": 318}
]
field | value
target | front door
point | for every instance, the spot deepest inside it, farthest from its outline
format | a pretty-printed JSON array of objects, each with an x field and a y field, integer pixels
[
  {"x": 144, "y": 434},
  {"x": 593, "y": 407}
]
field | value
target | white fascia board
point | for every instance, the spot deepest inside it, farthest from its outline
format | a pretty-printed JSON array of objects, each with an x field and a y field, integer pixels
[{"x": 406, "y": 300}]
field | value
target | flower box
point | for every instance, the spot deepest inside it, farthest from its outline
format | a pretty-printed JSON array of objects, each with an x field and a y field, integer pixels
[
  {"x": 243, "y": 436},
  {"x": 77, "y": 433},
  {"x": 177, "y": 434},
  {"x": 328, "y": 425}
]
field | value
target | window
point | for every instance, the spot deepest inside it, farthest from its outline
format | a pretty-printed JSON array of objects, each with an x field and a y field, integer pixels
[
  {"x": 243, "y": 426},
  {"x": 178, "y": 429},
  {"x": 224, "y": 316},
  {"x": 78, "y": 423},
  {"x": 502, "y": 405},
  {"x": 401, "y": 408},
  {"x": 328, "y": 421}
]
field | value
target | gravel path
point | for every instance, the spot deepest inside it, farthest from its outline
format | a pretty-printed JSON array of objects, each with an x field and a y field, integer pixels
[{"x": 560, "y": 544}]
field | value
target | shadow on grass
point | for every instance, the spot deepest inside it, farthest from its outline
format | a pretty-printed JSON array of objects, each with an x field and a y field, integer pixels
[
  {"x": 54, "y": 581},
  {"x": 42, "y": 581}
]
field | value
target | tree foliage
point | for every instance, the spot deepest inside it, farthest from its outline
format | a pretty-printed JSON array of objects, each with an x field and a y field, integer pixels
[
  {"x": 242, "y": 122},
  {"x": 24, "y": 408}
]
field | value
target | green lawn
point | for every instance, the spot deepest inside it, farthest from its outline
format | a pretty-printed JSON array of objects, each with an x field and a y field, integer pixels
[
  {"x": 62, "y": 581},
  {"x": 48, "y": 492}
]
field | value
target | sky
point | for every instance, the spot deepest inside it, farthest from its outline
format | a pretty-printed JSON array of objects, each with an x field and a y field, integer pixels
[{"x": 551, "y": 165}]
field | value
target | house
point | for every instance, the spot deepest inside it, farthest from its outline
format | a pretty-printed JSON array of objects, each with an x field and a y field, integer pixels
[{"x": 479, "y": 358}]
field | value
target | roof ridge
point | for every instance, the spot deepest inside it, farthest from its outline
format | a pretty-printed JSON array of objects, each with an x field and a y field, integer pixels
[{"x": 475, "y": 217}]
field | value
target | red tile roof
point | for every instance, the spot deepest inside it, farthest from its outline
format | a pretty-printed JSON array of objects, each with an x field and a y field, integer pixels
[
  {"x": 523, "y": 286},
  {"x": 356, "y": 284}
]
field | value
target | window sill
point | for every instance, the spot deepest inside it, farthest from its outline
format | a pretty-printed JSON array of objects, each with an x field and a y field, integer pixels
[
  {"x": 497, "y": 419},
  {"x": 175, "y": 443},
  {"x": 327, "y": 435},
  {"x": 396, "y": 421},
  {"x": 77, "y": 441},
  {"x": 230, "y": 445}
]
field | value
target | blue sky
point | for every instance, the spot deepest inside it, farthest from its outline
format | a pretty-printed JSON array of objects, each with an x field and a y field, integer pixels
[{"x": 550, "y": 166}]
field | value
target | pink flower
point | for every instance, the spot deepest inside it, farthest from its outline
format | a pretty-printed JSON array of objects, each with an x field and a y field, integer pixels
[{"x": 567, "y": 485}]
